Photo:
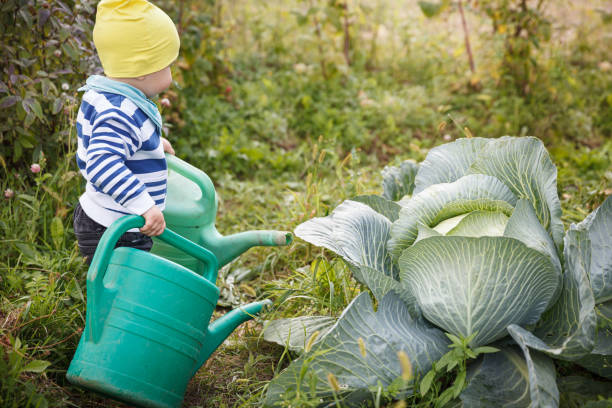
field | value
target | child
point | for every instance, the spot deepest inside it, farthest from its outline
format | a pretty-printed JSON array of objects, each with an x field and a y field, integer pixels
[{"x": 120, "y": 148}]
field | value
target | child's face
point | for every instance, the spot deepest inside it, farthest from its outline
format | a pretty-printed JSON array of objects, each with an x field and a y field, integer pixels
[{"x": 155, "y": 83}]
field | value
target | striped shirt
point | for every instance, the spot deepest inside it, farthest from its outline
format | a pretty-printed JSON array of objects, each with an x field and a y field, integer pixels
[{"x": 121, "y": 156}]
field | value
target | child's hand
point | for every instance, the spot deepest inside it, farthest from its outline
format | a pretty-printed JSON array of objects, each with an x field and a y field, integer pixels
[
  {"x": 154, "y": 222},
  {"x": 167, "y": 146}
]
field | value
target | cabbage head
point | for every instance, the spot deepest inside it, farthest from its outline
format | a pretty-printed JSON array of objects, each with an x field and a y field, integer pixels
[{"x": 469, "y": 242}]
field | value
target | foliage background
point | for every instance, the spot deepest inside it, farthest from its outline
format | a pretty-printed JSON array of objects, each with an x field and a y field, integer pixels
[{"x": 291, "y": 107}]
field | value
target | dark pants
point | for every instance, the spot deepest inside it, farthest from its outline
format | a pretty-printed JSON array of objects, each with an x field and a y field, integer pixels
[{"x": 89, "y": 232}]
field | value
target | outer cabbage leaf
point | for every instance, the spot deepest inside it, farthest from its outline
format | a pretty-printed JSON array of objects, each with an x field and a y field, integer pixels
[
  {"x": 296, "y": 332},
  {"x": 448, "y": 162},
  {"x": 576, "y": 390},
  {"x": 525, "y": 226},
  {"x": 567, "y": 330},
  {"x": 383, "y": 334},
  {"x": 381, "y": 205},
  {"x": 399, "y": 181},
  {"x": 381, "y": 284},
  {"x": 542, "y": 385},
  {"x": 506, "y": 379},
  {"x": 478, "y": 285},
  {"x": 498, "y": 379},
  {"x": 600, "y": 359},
  {"x": 523, "y": 164},
  {"x": 599, "y": 227},
  {"x": 424, "y": 207},
  {"x": 355, "y": 232}
]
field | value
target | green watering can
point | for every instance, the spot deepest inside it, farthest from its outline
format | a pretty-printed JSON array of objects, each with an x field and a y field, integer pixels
[
  {"x": 191, "y": 209},
  {"x": 147, "y": 329}
]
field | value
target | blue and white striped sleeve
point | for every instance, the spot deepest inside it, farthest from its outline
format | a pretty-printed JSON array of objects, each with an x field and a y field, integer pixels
[{"x": 112, "y": 142}]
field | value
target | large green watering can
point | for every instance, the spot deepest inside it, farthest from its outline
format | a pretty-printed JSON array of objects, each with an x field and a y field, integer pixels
[
  {"x": 147, "y": 329},
  {"x": 191, "y": 208}
]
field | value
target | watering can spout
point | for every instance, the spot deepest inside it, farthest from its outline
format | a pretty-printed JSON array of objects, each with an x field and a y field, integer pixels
[
  {"x": 221, "y": 328},
  {"x": 230, "y": 247},
  {"x": 191, "y": 209}
]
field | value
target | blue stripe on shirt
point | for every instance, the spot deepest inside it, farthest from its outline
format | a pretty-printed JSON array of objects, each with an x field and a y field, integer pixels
[
  {"x": 110, "y": 177},
  {"x": 88, "y": 111},
  {"x": 151, "y": 144},
  {"x": 114, "y": 128},
  {"x": 114, "y": 99},
  {"x": 140, "y": 117},
  {"x": 117, "y": 144},
  {"x": 130, "y": 192},
  {"x": 116, "y": 211},
  {"x": 158, "y": 193},
  {"x": 104, "y": 169},
  {"x": 117, "y": 112},
  {"x": 146, "y": 166},
  {"x": 156, "y": 183},
  {"x": 121, "y": 183},
  {"x": 80, "y": 163},
  {"x": 104, "y": 150},
  {"x": 137, "y": 120}
]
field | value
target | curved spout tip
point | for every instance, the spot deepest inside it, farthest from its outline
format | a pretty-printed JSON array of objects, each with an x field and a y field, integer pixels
[{"x": 283, "y": 238}]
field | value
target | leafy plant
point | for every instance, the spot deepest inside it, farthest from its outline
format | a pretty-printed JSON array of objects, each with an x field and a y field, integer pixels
[
  {"x": 456, "y": 359},
  {"x": 202, "y": 63},
  {"x": 475, "y": 249},
  {"x": 524, "y": 27},
  {"x": 46, "y": 54},
  {"x": 13, "y": 363}
]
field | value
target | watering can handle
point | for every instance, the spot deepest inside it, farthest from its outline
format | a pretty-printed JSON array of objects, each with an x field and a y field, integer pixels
[
  {"x": 208, "y": 201},
  {"x": 113, "y": 233},
  {"x": 99, "y": 264}
]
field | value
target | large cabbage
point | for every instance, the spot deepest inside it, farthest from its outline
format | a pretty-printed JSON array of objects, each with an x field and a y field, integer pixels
[{"x": 469, "y": 242}]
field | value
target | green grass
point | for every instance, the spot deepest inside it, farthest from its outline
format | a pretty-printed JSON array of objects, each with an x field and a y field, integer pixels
[
  {"x": 285, "y": 146},
  {"x": 42, "y": 284}
]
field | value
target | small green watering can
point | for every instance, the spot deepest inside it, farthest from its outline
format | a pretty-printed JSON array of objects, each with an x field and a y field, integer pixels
[
  {"x": 147, "y": 329},
  {"x": 191, "y": 209}
]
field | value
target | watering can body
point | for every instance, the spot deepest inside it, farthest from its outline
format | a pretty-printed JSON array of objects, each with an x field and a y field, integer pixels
[
  {"x": 147, "y": 328},
  {"x": 191, "y": 209}
]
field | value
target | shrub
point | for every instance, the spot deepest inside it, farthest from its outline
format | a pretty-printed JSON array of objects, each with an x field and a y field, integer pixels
[{"x": 47, "y": 52}]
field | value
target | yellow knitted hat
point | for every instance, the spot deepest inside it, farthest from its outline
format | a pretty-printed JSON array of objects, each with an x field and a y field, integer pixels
[{"x": 134, "y": 38}]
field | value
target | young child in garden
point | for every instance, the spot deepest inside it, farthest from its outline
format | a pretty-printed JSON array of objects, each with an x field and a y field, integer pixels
[{"x": 120, "y": 144}]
